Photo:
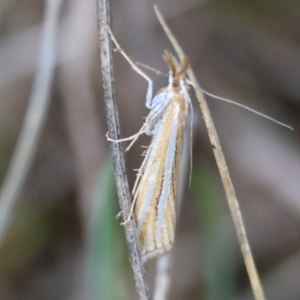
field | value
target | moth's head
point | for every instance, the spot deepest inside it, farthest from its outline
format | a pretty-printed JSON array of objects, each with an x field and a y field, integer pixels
[{"x": 177, "y": 72}]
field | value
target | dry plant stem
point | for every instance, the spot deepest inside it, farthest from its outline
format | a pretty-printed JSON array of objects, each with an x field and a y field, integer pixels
[
  {"x": 116, "y": 148},
  {"x": 163, "y": 278},
  {"x": 224, "y": 173},
  {"x": 34, "y": 118}
]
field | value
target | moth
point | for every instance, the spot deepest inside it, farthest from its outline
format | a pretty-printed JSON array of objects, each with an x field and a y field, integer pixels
[{"x": 156, "y": 186}]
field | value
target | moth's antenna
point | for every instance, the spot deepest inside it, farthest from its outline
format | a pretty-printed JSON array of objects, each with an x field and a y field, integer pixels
[{"x": 247, "y": 108}]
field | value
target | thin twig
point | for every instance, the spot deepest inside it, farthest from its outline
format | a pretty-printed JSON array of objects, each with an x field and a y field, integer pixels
[
  {"x": 34, "y": 119},
  {"x": 223, "y": 169},
  {"x": 163, "y": 278},
  {"x": 116, "y": 148}
]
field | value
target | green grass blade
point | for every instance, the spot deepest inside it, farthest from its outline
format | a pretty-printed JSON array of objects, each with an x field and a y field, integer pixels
[{"x": 219, "y": 277}]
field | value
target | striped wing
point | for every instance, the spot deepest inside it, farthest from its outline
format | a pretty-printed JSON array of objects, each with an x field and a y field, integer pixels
[{"x": 155, "y": 209}]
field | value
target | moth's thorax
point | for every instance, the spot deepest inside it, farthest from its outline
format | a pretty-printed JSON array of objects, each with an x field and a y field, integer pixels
[
  {"x": 179, "y": 105},
  {"x": 176, "y": 86}
]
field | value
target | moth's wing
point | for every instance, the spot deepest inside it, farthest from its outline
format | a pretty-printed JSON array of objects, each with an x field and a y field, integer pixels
[
  {"x": 155, "y": 209},
  {"x": 159, "y": 105}
]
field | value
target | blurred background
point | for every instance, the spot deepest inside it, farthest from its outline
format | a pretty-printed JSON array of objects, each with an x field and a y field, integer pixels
[{"x": 65, "y": 242}]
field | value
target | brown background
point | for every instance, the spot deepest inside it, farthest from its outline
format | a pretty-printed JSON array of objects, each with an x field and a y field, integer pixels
[{"x": 248, "y": 51}]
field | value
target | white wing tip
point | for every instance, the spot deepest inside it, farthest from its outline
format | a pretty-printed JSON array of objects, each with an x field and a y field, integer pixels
[{"x": 156, "y": 252}]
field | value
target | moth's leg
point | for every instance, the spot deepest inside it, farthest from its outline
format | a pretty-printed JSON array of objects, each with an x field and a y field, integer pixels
[
  {"x": 132, "y": 138},
  {"x": 156, "y": 71},
  {"x": 243, "y": 106},
  {"x": 130, "y": 212},
  {"x": 135, "y": 188},
  {"x": 134, "y": 67}
]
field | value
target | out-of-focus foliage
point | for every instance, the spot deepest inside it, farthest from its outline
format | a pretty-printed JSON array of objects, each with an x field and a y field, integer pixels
[
  {"x": 106, "y": 247},
  {"x": 217, "y": 242}
]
